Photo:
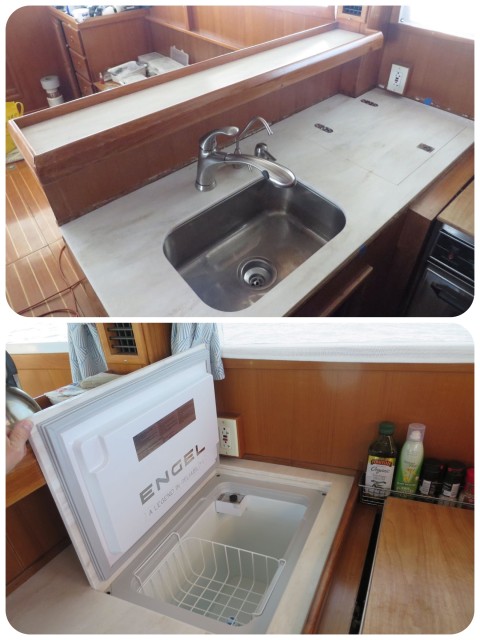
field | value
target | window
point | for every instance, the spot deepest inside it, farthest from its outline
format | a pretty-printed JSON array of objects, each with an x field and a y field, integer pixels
[
  {"x": 36, "y": 336},
  {"x": 347, "y": 341},
  {"x": 439, "y": 16}
]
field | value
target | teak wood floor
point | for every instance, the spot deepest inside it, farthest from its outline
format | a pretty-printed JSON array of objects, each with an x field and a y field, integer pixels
[{"x": 42, "y": 278}]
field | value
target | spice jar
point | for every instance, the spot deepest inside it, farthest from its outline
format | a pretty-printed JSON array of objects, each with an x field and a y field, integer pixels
[
  {"x": 431, "y": 477},
  {"x": 467, "y": 495},
  {"x": 454, "y": 474}
]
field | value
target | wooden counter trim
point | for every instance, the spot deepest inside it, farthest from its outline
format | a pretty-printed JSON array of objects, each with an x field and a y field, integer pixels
[
  {"x": 321, "y": 593},
  {"x": 256, "y": 364},
  {"x": 460, "y": 212},
  {"x": 69, "y": 158},
  {"x": 437, "y": 196},
  {"x": 35, "y": 117}
]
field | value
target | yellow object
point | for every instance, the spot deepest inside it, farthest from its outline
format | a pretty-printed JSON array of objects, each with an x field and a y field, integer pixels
[{"x": 12, "y": 110}]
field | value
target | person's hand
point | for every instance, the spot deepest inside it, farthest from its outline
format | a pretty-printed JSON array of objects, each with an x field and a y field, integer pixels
[{"x": 17, "y": 436}]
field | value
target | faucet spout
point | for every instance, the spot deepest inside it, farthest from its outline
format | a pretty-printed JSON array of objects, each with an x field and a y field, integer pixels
[
  {"x": 279, "y": 175},
  {"x": 209, "y": 159}
]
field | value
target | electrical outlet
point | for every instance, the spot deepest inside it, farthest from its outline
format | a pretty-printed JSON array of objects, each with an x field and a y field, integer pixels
[
  {"x": 228, "y": 430},
  {"x": 398, "y": 79}
]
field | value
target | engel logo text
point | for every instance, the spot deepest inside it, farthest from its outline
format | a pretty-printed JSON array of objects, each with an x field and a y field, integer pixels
[{"x": 176, "y": 468}]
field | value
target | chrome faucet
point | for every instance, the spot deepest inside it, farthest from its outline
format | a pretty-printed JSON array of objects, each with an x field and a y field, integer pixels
[
  {"x": 249, "y": 125},
  {"x": 209, "y": 159}
]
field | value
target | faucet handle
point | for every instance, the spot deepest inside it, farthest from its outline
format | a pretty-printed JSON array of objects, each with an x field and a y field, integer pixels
[{"x": 208, "y": 142}]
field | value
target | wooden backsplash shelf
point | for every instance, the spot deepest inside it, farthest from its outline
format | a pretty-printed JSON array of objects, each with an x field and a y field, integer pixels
[{"x": 59, "y": 143}]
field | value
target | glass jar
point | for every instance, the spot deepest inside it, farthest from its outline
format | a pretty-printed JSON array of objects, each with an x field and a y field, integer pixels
[
  {"x": 454, "y": 474},
  {"x": 431, "y": 477}
]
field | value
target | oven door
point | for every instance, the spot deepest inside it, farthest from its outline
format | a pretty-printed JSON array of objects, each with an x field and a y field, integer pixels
[{"x": 440, "y": 294}]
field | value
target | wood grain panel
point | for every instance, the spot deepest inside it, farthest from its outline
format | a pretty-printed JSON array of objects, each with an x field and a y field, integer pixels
[
  {"x": 107, "y": 44},
  {"x": 41, "y": 372},
  {"x": 174, "y": 15},
  {"x": 198, "y": 49},
  {"x": 244, "y": 26},
  {"x": 327, "y": 414},
  {"x": 34, "y": 531},
  {"x": 33, "y": 51},
  {"x": 460, "y": 213},
  {"x": 340, "y": 602},
  {"x": 423, "y": 575},
  {"x": 42, "y": 278},
  {"x": 24, "y": 479},
  {"x": 442, "y": 67}
]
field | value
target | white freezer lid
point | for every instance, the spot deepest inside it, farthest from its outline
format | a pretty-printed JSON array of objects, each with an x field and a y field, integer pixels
[{"x": 118, "y": 458}]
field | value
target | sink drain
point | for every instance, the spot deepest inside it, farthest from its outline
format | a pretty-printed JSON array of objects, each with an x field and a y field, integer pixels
[{"x": 257, "y": 273}]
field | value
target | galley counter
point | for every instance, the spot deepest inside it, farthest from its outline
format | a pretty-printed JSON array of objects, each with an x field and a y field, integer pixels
[{"x": 366, "y": 159}]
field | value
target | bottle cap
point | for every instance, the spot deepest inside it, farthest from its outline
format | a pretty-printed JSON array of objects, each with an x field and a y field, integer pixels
[
  {"x": 416, "y": 432},
  {"x": 386, "y": 428}
]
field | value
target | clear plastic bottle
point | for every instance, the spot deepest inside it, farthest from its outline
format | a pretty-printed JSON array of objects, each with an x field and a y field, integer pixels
[
  {"x": 382, "y": 457},
  {"x": 410, "y": 461}
]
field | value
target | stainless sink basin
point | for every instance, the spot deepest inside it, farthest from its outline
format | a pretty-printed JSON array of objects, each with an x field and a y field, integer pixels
[{"x": 232, "y": 253}]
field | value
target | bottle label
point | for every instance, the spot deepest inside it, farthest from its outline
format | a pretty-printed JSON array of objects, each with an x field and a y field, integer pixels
[{"x": 379, "y": 476}]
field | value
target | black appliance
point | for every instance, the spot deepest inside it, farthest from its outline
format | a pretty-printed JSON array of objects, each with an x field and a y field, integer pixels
[{"x": 445, "y": 286}]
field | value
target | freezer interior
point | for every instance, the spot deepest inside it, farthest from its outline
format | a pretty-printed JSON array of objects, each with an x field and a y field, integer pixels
[{"x": 226, "y": 561}]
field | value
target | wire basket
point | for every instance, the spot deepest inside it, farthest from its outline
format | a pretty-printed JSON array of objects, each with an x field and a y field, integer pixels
[
  {"x": 377, "y": 497},
  {"x": 215, "y": 580}
]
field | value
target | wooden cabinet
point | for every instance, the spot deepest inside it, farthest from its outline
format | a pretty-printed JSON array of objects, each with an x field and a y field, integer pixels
[
  {"x": 361, "y": 287},
  {"x": 377, "y": 280},
  {"x": 32, "y": 52},
  {"x": 129, "y": 346},
  {"x": 99, "y": 43}
]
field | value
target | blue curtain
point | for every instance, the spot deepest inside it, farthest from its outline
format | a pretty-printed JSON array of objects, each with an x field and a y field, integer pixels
[
  {"x": 85, "y": 351},
  {"x": 191, "y": 334}
]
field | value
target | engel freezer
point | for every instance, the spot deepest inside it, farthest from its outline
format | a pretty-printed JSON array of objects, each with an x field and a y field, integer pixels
[{"x": 157, "y": 521}]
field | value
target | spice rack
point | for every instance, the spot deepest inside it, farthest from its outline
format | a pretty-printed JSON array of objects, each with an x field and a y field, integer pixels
[{"x": 377, "y": 497}]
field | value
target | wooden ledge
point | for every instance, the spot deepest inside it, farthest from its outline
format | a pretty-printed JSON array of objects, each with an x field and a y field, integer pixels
[{"x": 68, "y": 158}]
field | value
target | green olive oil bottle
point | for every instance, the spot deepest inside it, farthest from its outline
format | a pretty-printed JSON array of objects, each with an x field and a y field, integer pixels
[{"x": 382, "y": 457}]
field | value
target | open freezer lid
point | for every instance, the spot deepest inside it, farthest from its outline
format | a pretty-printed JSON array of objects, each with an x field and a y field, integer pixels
[{"x": 118, "y": 458}]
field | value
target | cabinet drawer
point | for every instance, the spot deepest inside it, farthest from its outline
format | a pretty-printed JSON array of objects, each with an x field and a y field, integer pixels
[
  {"x": 73, "y": 38},
  {"x": 80, "y": 64},
  {"x": 86, "y": 87}
]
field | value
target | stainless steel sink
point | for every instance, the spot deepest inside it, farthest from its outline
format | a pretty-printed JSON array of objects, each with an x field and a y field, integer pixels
[{"x": 232, "y": 253}]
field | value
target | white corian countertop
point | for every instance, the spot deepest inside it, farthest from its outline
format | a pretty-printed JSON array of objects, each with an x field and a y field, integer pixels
[
  {"x": 370, "y": 165},
  {"x": 59, "y": 599}
]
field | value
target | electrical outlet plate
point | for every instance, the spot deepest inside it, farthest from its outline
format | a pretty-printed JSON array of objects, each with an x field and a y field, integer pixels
[
  {"x": 397, "y": 80},
  {"x": 228, "y": 430}
]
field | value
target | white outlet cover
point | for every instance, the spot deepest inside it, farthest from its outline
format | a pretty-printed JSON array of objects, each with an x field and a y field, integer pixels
[
  {"x": 398, "y": 79},
  {"x": 228, "y": 437}
]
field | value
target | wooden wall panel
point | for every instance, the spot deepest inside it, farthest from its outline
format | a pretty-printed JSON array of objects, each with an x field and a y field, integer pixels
[
  {"x": 442, "y": 67},
  {"x": 244, "y": 26},
  {"x": 327, "y": 413},
  {"x": 163, "y": 37},
  {"x": 107, "y": 45},
  {"x": 32, "y": 51},
  {"x": 174, "y": 15},
  {"x": 34, "y": 534},
  {"x": 41, "y": 372}
]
